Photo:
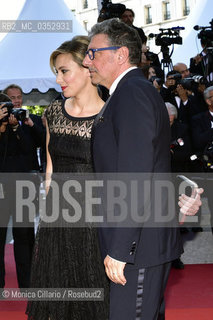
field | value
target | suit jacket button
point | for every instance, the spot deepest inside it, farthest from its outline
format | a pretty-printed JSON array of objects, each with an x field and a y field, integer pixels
[{"x": 101, "y": 119}]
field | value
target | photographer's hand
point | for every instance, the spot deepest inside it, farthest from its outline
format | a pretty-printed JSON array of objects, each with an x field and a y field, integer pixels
[
  {"x": 156, "y": 85},
  {"x": 29, "y": 122},
  {"x": 13, "y": 121},
  {"x": 3, "y": 111},
  {"x": 182, "y": 93},
  {"x": 197, "y": 59}
]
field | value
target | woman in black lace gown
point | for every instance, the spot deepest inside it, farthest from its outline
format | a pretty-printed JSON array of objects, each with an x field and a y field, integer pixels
[{"x": 69, "y": 257}]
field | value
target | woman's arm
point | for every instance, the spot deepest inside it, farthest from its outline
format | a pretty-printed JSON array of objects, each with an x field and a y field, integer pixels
[{"x": 49, "y": 167}]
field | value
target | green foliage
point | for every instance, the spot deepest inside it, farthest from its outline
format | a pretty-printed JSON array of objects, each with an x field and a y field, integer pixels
[{"x": 38, "y": 110}]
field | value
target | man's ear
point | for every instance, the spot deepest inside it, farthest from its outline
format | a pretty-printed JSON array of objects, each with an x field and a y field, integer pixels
[
  {"x": 208, "y": 101},
  {"x": 123, "y": 55}
]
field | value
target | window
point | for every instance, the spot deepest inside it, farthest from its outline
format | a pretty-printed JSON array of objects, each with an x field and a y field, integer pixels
[
  {"x": 148, "y": 14},
  {"x": 85, "y": 4},
  {"x": 166, "y": 10},
  {"x": 186, "y": 8},
  {"x": 85, "y": 25}
]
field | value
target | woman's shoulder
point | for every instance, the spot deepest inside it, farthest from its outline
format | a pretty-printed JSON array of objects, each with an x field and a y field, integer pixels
[
  {"x": 55, "y": 107},
  {"x": 55, "y": 104}
]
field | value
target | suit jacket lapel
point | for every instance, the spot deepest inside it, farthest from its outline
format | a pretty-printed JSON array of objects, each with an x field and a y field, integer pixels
[{"x": 99, "y": 116}]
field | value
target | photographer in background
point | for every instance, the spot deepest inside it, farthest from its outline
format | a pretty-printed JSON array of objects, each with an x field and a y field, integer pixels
[
  {"x": 3, "y": 110},
  {"x": 173, "y": 92},
  {"x": 196, "y": 86},
  {"x": 32, "y": 126},
  {"x": 148, "y": 58},
  {"x": 14, "y": 148},
  {"x": 197, "y": 64},
  {"x": 202, "y": 127},
  {"x": 110, "y": 10},
  {"x": 128, "y": 18},
  {"x": 181, "y": 150},
  {"x": 202, "y": 137},
  {"x": 14, "y": 141},
  {"x": 144, "y": 50},
  {"x": 181, "y": 145},
  {"x": 182, "y": 69},
  {"x": 200, "y": 63},
  {"x": 156, "y": 77}
]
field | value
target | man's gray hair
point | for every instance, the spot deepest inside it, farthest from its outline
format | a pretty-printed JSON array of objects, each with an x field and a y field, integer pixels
[
  {"x": 207, "y": 92},
  {"x": 120, "y": 34},
  {"x": 172, "y": 110}
]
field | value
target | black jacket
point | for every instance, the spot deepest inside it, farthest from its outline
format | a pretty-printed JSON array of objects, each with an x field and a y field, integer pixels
[{"x": 133, "y": 137}]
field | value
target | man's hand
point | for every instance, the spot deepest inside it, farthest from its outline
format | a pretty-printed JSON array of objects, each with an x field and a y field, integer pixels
[
  {"x": 3, "y": 111},
  {"x": 12, "y": 120},
  {"x": 156, "y": 85},
  {"x": 198, "y": 58},
  {"x": 29, "y": 122},
  {"x": 182, "y": 93},
  {"x": 189, "y": 206},
  {"x": 115, "y": 270}
]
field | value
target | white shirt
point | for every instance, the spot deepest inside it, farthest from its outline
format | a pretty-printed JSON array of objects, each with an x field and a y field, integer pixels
[
  {"x": 115, "y": 83},
  {"x": 212, "y": 116}
]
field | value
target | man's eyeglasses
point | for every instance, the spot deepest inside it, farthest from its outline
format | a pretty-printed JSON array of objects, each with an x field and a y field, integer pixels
[{"x": 91, "y": 52}]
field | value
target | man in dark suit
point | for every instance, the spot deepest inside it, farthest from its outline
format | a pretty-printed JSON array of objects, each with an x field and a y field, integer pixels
[
  {"x": 173, "y": 92},
  {"x": 202, "y": 124},
  {"x": 19, "y": 141},
  {"x": 201, "y": 64},
  {"x": 202, "y": 138},
  {"x": 32, "y": 126},
  {"x": 132, "y": 135},
  {"x": 14, "y": 148}
]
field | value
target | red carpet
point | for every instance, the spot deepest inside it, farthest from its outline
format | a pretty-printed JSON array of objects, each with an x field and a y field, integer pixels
[
  {"x": 189, "y": 294},
  {"x": 11, "y": 310}
]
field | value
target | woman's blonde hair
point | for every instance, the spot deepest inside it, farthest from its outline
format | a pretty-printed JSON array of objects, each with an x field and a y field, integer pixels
[{"x": 77, "y": 47}]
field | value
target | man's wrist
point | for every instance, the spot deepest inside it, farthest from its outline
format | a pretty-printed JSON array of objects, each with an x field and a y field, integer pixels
[
  {"x": 31, "y": 124},
  {"x": 116, "y": 259}
]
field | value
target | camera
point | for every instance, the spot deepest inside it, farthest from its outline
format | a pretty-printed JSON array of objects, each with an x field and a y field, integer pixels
[
  {"x": 19, "y": 113},
  {"x": 111, "y": 10},
  {"x": 177, "y": 77},
  {"x": 168, "y": 36},
  {"x": 150, "y": 56},
  {"x": 190, "y": 83},
  {"x": 206, "y": 34},
  {"x": 159, "y": 81}
]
